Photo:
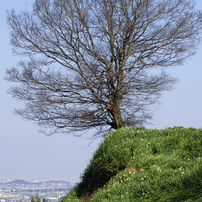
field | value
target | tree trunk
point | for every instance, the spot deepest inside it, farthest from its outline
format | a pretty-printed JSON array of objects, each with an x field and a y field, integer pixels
[{"x": 117, "y": 121}]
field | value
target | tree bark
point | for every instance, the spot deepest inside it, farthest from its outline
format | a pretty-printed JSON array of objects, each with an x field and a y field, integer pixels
[{"x": 117, "y": 119}]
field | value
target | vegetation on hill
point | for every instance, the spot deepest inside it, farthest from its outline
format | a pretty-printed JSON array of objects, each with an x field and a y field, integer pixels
[{"x": 144, "y": 165}]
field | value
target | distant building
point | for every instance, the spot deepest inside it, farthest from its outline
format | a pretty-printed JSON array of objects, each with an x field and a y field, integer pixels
[{"x": 2, "y": 199}]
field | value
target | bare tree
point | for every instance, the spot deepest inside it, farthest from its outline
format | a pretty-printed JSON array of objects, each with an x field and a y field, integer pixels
[{"x": 98, "y": 63}]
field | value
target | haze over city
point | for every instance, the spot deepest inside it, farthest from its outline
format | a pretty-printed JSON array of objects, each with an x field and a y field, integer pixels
[{"x": 25, "y": 152}]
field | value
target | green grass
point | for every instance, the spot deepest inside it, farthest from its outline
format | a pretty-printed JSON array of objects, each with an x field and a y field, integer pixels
[{"x": 144, "y": 165}]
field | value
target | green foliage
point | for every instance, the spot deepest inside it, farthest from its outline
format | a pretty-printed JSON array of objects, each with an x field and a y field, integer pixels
[
  {"x": 144, "y": 165},
  {"x": 35, "y": 199}
]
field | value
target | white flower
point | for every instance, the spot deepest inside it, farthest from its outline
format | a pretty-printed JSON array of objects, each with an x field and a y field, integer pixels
[{"x": 158, "y": 169}]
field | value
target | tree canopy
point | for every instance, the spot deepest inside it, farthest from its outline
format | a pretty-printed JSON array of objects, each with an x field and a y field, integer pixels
[{"x": 98, "y": 63}]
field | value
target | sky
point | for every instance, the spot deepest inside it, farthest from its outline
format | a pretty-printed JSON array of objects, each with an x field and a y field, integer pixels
[{"x": 24, "y": 152}]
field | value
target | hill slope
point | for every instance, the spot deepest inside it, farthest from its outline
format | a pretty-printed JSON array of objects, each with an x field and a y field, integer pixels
[{"x": 144, "y": 165}]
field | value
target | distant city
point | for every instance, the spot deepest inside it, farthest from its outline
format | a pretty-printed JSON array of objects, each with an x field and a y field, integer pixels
[{"x": 23, "y": 189}]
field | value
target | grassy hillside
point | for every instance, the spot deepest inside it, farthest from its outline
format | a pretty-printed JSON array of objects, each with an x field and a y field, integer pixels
[{"x": 144, "y": 165}]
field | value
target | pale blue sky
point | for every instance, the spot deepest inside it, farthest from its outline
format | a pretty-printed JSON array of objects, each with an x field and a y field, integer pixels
[{"x": 25, "y": 152}]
